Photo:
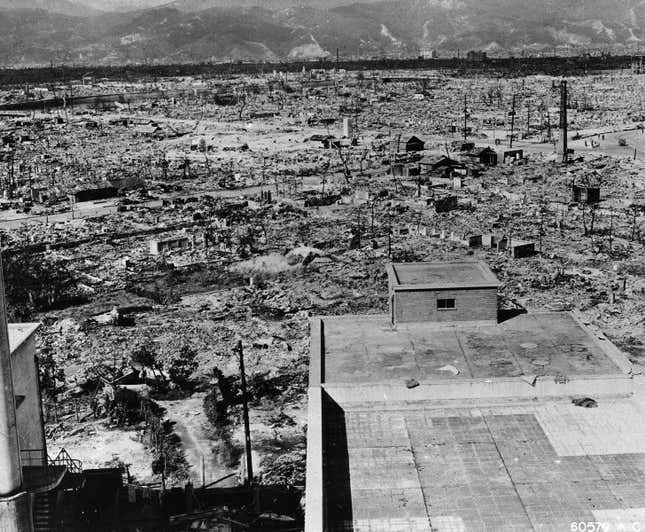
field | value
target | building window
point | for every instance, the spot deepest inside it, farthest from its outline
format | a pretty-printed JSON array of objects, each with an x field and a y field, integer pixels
[{"x": 446, "y": 304}]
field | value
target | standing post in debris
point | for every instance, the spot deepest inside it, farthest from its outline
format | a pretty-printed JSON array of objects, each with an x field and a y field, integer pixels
[
  {"x": 548, "y": 124},
  {"x": 541, "y": 225},
  {"x": 245, "y": 413},
  {"x": 465, "y": 117},
  {"x": 389, "y": 234},
  {"x": 611, "y": 230},
  {"x": 510, "y": 145},
  {"x": 528, "y": 119}
]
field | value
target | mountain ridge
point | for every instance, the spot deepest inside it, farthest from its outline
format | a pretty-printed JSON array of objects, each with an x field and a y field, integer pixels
[
  {"x": 65, "y": 7},
  {"x": 175, "y": 32}
]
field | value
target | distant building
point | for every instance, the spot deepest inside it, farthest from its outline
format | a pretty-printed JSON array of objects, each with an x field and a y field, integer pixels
[
  {"x": 446, "y": 204},
  {"x": 585, "y": 194},
  {"x": 405, "y": 170},
  {"x": 414, "y": 144},
  {"x": 513, "y": 155},
  {"x": 466, "y": 146},
  {"x": 151, "y": 131},
  {"x": 442, "y": 164},
  {"x": 478, "y": 56},
  {"x": 93, "y": 194},
  {"x": 486, "y": 156},
  {"x": 516, "y": 247},
  {"x": 325, "y": 140},
  {"x": 165, "y": 245},
  {"x": 348, "y": 128}
]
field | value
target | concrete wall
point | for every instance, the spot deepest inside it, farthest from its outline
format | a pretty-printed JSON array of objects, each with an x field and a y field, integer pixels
[
  {"x": 476, "y": 304},
  {"x": 315, "y": 490},
  {"x": 484, "y": 389},
  {"x": 15, "y": 514},
  {"x": 523, "y": 250},
  {"x": 31, "y": 434}
]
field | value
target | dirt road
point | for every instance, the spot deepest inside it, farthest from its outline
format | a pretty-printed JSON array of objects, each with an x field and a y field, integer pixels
[{"x": 192, "y": 426}]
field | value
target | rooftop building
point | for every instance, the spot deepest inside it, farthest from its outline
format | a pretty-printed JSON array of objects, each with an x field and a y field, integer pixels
[
  {"x": 451, "y": 291},
  {"x": 469, "y": 424}
]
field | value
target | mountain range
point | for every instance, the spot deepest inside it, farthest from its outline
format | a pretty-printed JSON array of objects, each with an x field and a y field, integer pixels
[{"x": 34, "y": 32}]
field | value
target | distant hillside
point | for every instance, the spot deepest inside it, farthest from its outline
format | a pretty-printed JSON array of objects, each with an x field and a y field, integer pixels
[
  {"x": 67, "y": 7},
  {"x": 122, "y": 5},
  {"x": 203, "y": 30},
  {"x": 200, "y": 5}
]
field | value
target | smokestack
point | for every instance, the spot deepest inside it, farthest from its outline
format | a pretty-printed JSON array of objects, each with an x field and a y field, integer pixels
[
  {"x": 563, "y": 122},
  {"x": 14, "y": 505}
]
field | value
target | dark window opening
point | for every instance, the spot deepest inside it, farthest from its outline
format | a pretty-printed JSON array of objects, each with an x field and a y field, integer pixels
[{"x": 446, "y": 304}]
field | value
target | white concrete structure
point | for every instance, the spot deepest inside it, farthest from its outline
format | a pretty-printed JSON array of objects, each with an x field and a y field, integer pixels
[{"x": 14, "y": 503}]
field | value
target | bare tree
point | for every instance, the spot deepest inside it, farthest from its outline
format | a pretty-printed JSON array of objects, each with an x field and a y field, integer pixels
[
  {"x": 325, "y": 171},
  {"x": 242, "y": 102},
  {"x": 344, "y": 156},
  {"x": 635, "y": 210},
  {"x": 372, "y": 204},
  {"x": 361, "y": 161}
]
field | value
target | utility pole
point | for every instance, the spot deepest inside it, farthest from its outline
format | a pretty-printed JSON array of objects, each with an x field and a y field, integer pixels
[
  {"x": 389, "y": 234},
  {"x": 548, "y": 124},
  {"x": 245, "y": 414},
  {"x": 528, "y": 118},
  {"x": 510, "y": 145},
  {"x": 611, "y": 230},
  {"x": 465, "y": 116}
]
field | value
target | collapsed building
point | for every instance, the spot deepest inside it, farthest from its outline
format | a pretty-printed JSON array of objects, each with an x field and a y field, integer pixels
[{"x": 449, "y": 414}]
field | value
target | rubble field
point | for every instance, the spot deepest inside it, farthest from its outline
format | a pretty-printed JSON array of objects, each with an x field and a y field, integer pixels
[{"x": 150, "y": 238}]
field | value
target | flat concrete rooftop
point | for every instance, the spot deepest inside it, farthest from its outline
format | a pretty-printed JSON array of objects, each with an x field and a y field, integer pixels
[
  {"x": 488, "y": 439},
  {"x": 506, "y": 467},
  {"x": 442, "y": 274},
  {"x": 366, "y": 350}
]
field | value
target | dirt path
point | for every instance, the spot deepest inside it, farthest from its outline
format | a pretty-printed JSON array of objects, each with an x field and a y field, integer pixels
[{"x": 192, "y": 426}]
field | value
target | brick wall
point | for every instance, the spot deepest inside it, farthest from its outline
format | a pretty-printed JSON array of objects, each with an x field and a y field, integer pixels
[{"x": 421, "y": 305}]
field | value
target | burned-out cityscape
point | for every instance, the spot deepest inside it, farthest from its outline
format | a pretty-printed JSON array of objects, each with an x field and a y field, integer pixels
[{"x": 363, "y": 291}]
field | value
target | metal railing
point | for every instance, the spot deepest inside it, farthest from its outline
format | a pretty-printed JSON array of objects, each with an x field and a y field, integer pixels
[{"x": 64, "y": 459}]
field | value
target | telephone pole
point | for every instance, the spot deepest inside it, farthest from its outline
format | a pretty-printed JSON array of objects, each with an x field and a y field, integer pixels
[
  {"x": 528, "y": 118},
  {"x": 510, "y": 144},
  {"x": 465, "y": 117},
  {"x": 245, "y": 414}
]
